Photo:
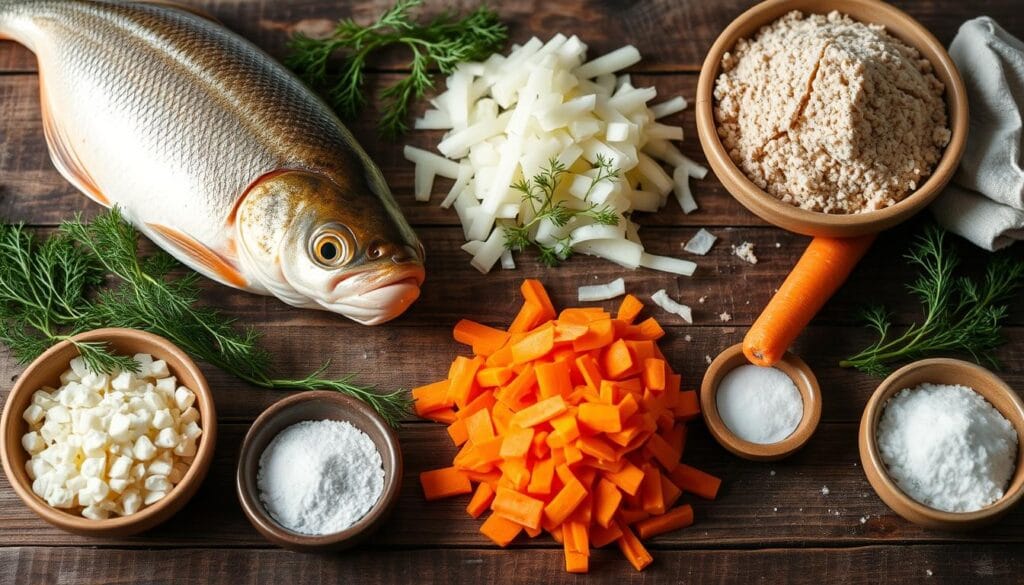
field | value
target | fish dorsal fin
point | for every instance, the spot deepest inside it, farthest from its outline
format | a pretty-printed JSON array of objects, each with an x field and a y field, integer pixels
[
  {"x": 184, "y": 7},
  {"x": 200, "y": 257}
]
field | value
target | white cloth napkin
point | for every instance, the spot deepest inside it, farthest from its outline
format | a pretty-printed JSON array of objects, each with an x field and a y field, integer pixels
[{"x": 985, "y": 201}]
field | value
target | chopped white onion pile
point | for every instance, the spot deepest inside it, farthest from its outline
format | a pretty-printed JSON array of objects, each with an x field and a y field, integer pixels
[
  {"x": 602, "y": 292},
  {"x": 662, "y": 299},
  {"x": 701, "y": 242},
  {"x": 508, "y": 116}
]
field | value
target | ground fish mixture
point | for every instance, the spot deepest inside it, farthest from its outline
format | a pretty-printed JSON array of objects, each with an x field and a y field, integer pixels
[{"x": 830, "y": 114}]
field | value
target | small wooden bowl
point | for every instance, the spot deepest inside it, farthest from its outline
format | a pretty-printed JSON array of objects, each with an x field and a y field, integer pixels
[
  {"x": 940, "y": 371},
  {"x": 811, "y": 223},
  {"x": 319, "y": 405},
  {"x": 46, "y": 371},
  {"x": 792, "y": 366}
]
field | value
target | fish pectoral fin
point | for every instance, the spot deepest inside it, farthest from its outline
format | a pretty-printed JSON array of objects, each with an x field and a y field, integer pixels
[
  {"x": 201, "y": 257},
  {"x": 63, "y": 154},
  {"x": 184, "y": 7}
]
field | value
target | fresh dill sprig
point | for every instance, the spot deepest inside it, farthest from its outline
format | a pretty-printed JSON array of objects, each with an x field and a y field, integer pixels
[
  {"x": 960, "y": 314},
  {"x": 539, "y": 193},
  {"x": 443, "y": 42},
  {"x": 90, "y": 275}
]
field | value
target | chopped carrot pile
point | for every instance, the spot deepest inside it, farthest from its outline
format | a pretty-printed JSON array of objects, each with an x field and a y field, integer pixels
[{"x": 571, "y": 424}]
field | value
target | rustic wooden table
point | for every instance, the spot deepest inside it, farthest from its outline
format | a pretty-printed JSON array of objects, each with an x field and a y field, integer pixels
[{"x": 772, "y": 522}]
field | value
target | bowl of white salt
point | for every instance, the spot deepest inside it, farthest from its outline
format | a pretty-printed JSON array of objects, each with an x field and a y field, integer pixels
[
  {"x": 940, "y": 444},
  {"x": 760, "y": 413},
  {"x": 318, "y": 471}
]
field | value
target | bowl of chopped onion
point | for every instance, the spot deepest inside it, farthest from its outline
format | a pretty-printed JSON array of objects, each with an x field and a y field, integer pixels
[{"x": 110, "y": 453}]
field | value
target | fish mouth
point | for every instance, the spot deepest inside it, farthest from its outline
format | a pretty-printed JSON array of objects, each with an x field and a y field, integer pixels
[{"x": 385, "y": 301}]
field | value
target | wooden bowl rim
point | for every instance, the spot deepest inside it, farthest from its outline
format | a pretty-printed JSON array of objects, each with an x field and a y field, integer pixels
[
  {"x": 270, "y": 528},
  {"x": 815, "y": 223},
  {"x": 885, "y": 486},
  {"x": 177, "y": 361},
  {"x": 791, "y": 365}
]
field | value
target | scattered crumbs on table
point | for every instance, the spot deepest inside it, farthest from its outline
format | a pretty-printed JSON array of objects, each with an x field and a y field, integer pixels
[
  {"x": 707, "y": 359},
  {"x": 928, "y": 572},
  {"x": 776, "y": 509},
  {"x": 836, "y": 512},
  {"x": 772, "y": 473},
  {"x": 687, "y": 337},
  {"x": 724, "y": 317},
  {"x": 801, "y": 509},
  {"x": 824, "y": 490},
  {"x": 745, "y": 252},
  {"x": 702, "y": 299}
]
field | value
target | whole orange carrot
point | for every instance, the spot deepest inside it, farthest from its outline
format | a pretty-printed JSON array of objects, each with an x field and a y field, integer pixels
[{"x": 818, "y": 274}]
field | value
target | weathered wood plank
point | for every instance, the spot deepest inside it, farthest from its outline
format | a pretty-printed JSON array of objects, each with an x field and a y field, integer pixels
[
  {"x": 939, "y": 564},
  {"x": 673, "y": 35},
  {"x": 760, "y": 505}
]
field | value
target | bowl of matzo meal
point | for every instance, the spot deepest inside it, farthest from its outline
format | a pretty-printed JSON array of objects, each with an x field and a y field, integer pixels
[{"x": 831, "y": 117}]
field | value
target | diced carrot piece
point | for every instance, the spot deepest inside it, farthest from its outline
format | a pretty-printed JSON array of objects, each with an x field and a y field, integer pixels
[
  {"x": 517, "y": 442},
  {"x": 628, "y": 479},
  {"x": 481, "y": 500},
  {"x": 567, "y": 428},
  {"x": 603, "y": 418},
  {"x": 540, "y": 448},
  {"x": 564, "y": 503},
  {"x": 444, "y": 483},
  {"x": 582, "y": 315},
  {"x": 650, "y": 329},
  {"x": 597, "y": 448},
  {"x": 670, "y": 492},
  {"x": 494, "y": 377},
  {"x": 534, "y": 345},
  {"x": 553, "y": 378},
  {"x": 542, "y": 477},
  {"x": 633, "y": 515},
  {"x": 516, "y": 392},
  {"x": 652, "y": 499},
  {"x": 500, "y": 530},
  {"x": 479, "y": 428},
  {"x": 518, "y": 507},
  {"x": 458, "y": 432},
  {"x": 590, "y": 371},
  {"x": 629, "y": 309},
  {"x": 529, "y": 316},
  {"x": 654, "y": 374},
  {"x": 565, "y": 332},
  {"x": 534, "y": 292},
  {"x": 484, "y": 340},
  {"x": 599, "y": 334},
  {"x": 501, "y": 416},
  {"x": 572, "y": 453},
  {"x": 688, "y": 405},
  {"x": 607, "y": 499},
  {"x": 604, "y": 535},
  {"x": 445, "y": 415},
  {"x": 663, "y": 452},
  {"x": 463, "y": 379},
  {"x": 540, "y": 412},
  {"x": 617, "y": 361},
  {"x": 674, "y": 519},
  {"x": 502, "y": 357},
  {"x": 431, "y": 397},
  {"x": 533, "y": 532},
  {"x": 485, "y": 401},
  {"x": 676, "y": 438},
  {"x": 490, "y": 477},
  {"x": 633, "y": 549},
  {"x": 628, "y": 406},
  {"x": 695, "y": 481}
]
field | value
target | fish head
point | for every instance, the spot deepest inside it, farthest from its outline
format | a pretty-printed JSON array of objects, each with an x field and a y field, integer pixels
[{"x": 315, "y": 243}]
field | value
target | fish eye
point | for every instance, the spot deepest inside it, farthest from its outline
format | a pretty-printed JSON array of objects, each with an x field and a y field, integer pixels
[{"x": 332, "y": 247}]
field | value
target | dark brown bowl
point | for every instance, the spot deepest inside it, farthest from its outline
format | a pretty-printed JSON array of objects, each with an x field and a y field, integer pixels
[
  {"x": 319, "y": 405},
  {"x": 941, "y": 371},
  {"x": 792, "y": 366},
  {"x": 46, "y": 371},
  {"x": 812, "y": 223}
]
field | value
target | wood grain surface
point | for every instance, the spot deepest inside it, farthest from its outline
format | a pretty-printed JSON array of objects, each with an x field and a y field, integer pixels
[{"x": 771, "y": 524}]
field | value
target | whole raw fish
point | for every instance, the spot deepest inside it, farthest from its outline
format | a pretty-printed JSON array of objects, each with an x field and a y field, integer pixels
[{"x": 218, "y": 154}]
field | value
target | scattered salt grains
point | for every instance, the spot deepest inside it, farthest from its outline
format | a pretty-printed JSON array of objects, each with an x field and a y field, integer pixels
[
  {"x": 687, "y": 337},
  {"x": 824, "y": 490},
  {"x": 928, "y": 572},
  {"x": 947, "y": 447},
  {"x": 745, "y": 252},
  {"x": 830, "y": 114},
  {"x": 863, "y": 519},
  {"x": 320, "y": 477},
  {"x": 707, "y": 359},
  {"x": 772, "y": 473},
  {"x": 724, "y": 317},
  {"x": 759, "y": 405},
  {"x": 702, "y": 299}
]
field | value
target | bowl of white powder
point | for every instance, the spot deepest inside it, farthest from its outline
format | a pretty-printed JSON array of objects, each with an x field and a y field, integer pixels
[
  {"x": 318, "y": 471},
  {"x": 940, "y": 444},
  {"x": 760, "y": 414},
  {"x": 831, "y": 117}
]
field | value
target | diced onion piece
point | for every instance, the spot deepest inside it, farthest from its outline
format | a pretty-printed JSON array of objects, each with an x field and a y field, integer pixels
[
  {"x": 667, "y": 264},
  {"x": 602, "y": 292},
  {"x": 610, "y": 63},
  {"x": 437, "y": 164},
  {"x": 507, "y": 262},
  {"x": 423, "y": 183},
  {"x": 658, "y": 131},
  {"x": 662, "y": 299},
  {"x": 701, "y": 242},
  {"x": 682, "y": 190},
  {"x": 461, "y": 182},
  {"x": 667, "y": 108},
  {"x": 433, "y": 120},
  {"x": 620, "y": 251},
  {"x": 472, "y": 247},
  {"x": 490, "y": 251},
  {"x": 656, "y": 176},
  {"x": 456, "y": 144}
]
